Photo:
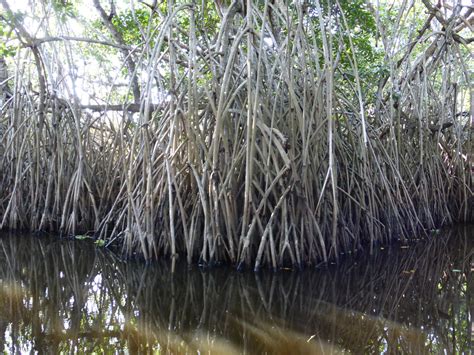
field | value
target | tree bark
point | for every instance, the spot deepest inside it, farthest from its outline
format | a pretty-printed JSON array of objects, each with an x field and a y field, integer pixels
[{"x": 4, "y": 89}]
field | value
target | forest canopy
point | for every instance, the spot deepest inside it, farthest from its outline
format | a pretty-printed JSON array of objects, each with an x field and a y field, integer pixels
[{"x": 111, "y": 43}]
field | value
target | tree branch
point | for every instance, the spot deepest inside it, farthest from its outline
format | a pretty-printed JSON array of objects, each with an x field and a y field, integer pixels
[
  {"x": 107, "y": 21},
  {"x": 38, "y": 41},
  {"x": 129, "y": 107}
]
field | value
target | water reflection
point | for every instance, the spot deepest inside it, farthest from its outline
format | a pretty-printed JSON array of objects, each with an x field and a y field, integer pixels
[{"x": 68, "y": 297}]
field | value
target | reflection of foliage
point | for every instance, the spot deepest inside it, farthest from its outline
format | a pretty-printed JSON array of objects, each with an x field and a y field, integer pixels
[{"x": 91, "y": 301}]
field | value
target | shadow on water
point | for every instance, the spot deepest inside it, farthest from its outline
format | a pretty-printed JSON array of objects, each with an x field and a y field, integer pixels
[{"x": 67, "y": 296}]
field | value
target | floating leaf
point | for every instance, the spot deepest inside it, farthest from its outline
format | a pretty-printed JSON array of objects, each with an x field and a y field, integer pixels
[
  {"x": 82, "y": 237},
  {"x": 100, "y": 242}
]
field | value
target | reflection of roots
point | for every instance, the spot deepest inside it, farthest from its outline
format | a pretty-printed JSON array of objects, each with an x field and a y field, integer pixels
[
  {"x": 144, "y": 339},
  {"x": 355, "y": 330},
  {"x": 334, "y": 329},
  {"x": 11, "y": 302},
  {"x": 261, "y": 338},
  {"x": 234, "y": 313},
  {"x": 270, "y": 338}
]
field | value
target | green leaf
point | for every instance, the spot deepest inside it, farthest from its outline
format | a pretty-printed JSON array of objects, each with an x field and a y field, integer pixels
[
  {"x": 100, "y": 243},
  {"x": 82, "y": 237}
]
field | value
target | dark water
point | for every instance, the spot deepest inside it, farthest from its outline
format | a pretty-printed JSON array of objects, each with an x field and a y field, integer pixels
[{"x": 67, "y": 296}]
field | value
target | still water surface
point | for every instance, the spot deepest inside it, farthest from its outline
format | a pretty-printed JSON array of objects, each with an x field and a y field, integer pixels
[{"x": 69, "y": 297}]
